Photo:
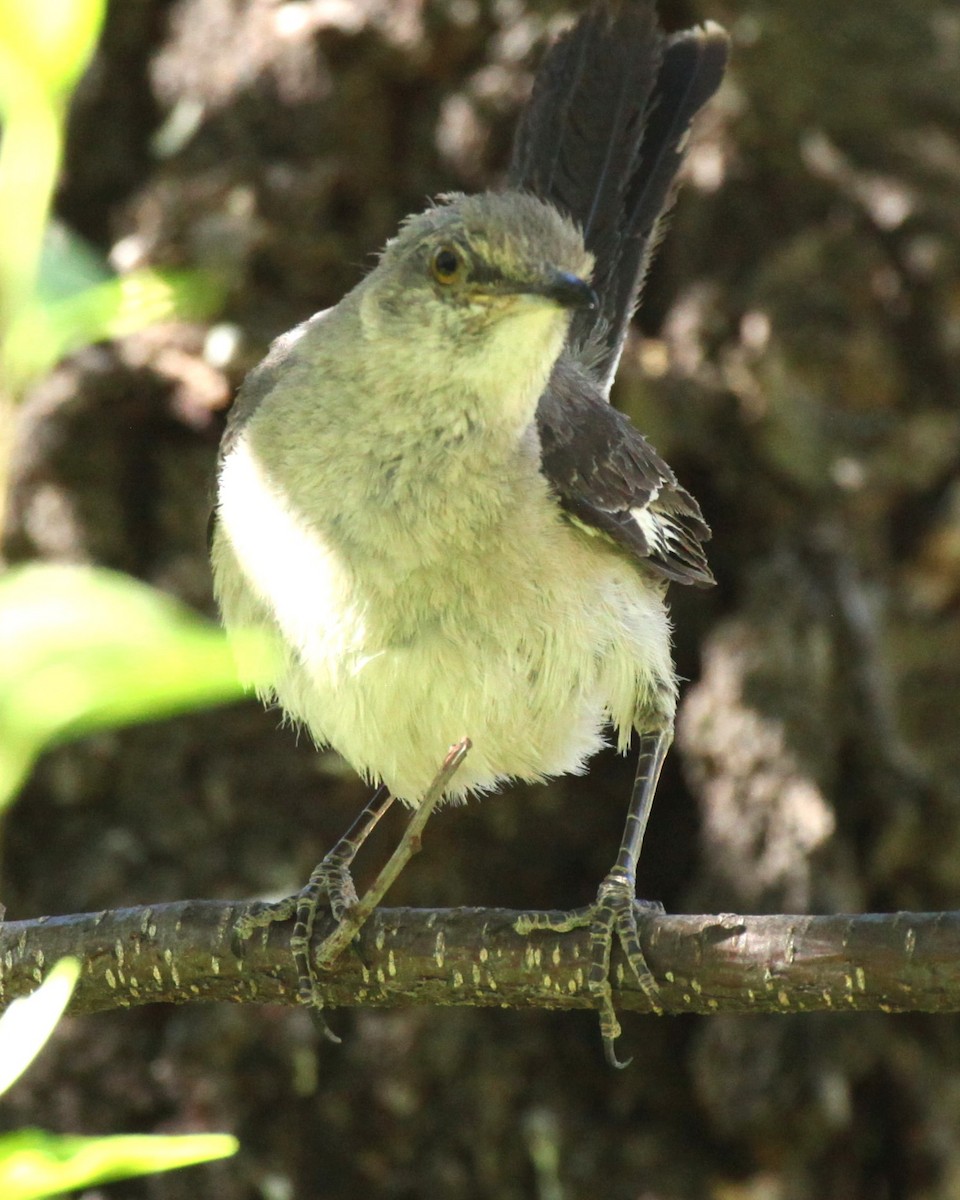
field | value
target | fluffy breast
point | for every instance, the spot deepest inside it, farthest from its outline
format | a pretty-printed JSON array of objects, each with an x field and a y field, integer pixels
[{"x": 525, "y": 636}]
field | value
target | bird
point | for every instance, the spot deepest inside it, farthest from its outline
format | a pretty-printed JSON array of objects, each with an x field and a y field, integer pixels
[{"x": 427, "y": 502}]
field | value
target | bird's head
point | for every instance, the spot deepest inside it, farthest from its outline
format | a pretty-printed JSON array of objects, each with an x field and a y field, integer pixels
[{"x": 481, "y": 288}]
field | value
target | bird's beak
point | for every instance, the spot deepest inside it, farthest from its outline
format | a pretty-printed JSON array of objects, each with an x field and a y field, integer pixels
[
  {"x": 569, "y": 291},
  {"x": 563, "y": 288}
]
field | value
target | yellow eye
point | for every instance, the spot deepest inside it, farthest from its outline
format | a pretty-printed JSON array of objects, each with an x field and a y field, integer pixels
[{"x": 445, "y": 264}]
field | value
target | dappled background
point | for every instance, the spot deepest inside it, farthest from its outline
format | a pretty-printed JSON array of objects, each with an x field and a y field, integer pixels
[{"x": 797, "y": 361}]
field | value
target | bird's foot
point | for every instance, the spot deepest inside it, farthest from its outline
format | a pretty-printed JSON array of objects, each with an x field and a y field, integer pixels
[
  {"x": 612, "y": 915},
  {"x": 331, "y": 878}
]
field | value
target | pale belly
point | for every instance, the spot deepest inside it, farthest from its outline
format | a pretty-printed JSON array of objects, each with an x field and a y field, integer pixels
[
  {"x": 530, "y": 645},
  {"x": 539, "y": 712},
  {"x": 533, "y": 678}
]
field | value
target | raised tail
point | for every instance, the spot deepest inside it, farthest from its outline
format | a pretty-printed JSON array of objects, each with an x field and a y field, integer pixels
[{"x": 602, "y": 138}]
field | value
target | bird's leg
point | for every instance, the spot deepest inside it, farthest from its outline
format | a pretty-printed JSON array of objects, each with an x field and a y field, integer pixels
[
  {"x": 614, "y": 912},
  {"x": 353, "y": 917},
  {"x": 332, "y": 877}
]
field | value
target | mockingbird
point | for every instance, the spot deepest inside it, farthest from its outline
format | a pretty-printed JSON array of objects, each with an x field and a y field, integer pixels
[{"x": 426, "y": 498}]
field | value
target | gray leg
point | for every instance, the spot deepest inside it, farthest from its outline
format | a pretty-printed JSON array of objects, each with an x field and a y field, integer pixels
[
  {"x": 614, "y": 912},
  {"x": 332, "y": 877}
]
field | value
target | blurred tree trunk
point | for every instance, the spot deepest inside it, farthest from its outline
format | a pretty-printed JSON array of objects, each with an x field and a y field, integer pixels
[{"x": 797, "y": 361}]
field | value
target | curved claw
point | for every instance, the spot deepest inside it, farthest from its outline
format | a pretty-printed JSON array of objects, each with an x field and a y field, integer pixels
[
  {"x": 610, "y": 1054},
  {"x": 326, "y": 1031},
  {"x": 611, "y": 917},
  {"x": 259, "y": 917}
]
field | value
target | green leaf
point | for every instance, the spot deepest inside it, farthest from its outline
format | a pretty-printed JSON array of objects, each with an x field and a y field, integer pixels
[
  {"x": 53, "y": 39},
  {"x": 44, "y": 47},
  {"x": 29, "y": 154},
  {"x": 34, "y": 1164},
  {"x": 29, "y": 1021},
  {"x": 69, "y": 264},
  {"x": 44, "y": 331},
  {"x": 82, "y": 648}
]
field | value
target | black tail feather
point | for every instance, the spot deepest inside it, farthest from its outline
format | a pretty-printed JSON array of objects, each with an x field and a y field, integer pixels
[{"x": 603, "y": 137}]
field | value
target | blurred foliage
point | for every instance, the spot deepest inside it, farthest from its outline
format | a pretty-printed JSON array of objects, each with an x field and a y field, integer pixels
[
  {"x": 79, "y": 648},
  {"x": 55, "y": 293},
  {"x": 28, "y": 1023},
  {"x": 33, "y": 1163},
  {"x": 43, "y": 49},
  {"x": 45, "y": 331},
  {"x": 83, "y": 647}
]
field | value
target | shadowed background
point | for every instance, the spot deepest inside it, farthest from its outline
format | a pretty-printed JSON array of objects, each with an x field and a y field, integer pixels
[{"x": 797, "y": 361}]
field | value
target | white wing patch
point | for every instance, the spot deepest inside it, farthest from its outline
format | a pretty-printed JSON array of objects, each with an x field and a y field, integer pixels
[{"x": 660, "y": 531}]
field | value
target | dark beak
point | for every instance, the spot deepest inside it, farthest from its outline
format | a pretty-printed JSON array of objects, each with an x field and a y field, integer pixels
[
  {"x": 562, "y": 287},
  {"x": 569, "y": 291}
]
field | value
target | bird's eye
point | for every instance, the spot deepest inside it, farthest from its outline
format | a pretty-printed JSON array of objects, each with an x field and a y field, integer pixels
[{"x": 445, "y": 264}]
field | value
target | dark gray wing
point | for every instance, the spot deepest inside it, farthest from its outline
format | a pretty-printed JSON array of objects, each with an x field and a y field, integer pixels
[
  {"x": 602, "y": 139},
  {"x": 611, "y": 481}
]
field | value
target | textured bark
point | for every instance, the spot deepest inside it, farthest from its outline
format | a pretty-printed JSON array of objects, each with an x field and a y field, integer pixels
[
  {"x": 187, "y": 953},
  {"x": 796, "y": 361}
]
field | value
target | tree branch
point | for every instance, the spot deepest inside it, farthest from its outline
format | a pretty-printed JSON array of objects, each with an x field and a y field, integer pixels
[{"x": 178, "y": 953}]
